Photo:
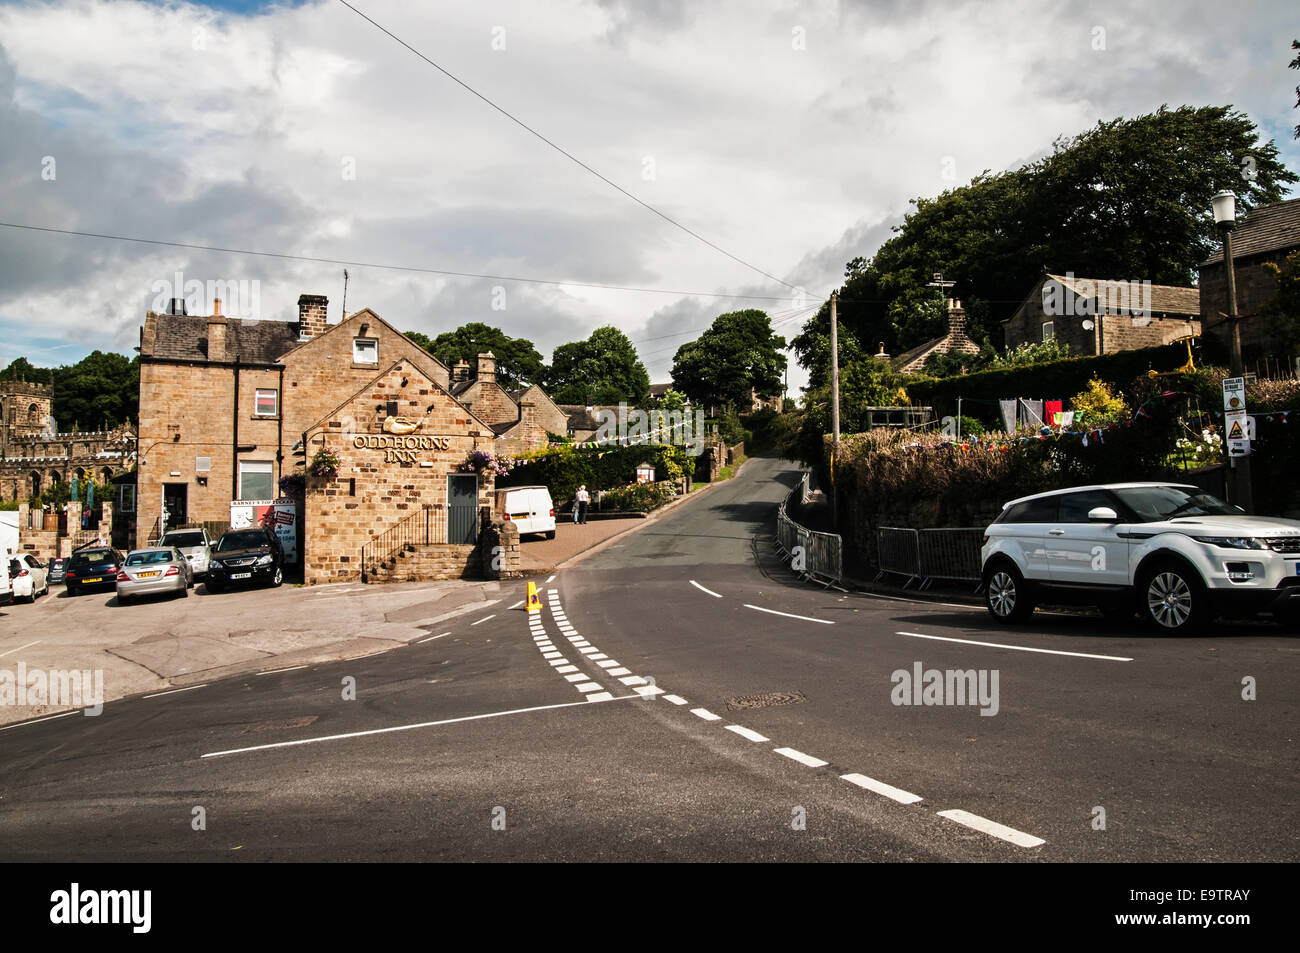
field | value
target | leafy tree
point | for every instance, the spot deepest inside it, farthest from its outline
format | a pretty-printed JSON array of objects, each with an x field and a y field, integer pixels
[
  {"x": 100, "y": 391},
  {"x": 603, "y": 369},
  {"x": 739, "y": 351},
  {"x": 1283, "y": 312},
  {"x": 1034, "y": 352},
  {"x": 1129, "y": 198},
  {"x": 22, "y": 369},
  {"x": 1295, "y": 64},
  {"x": 518, "y": 361}
]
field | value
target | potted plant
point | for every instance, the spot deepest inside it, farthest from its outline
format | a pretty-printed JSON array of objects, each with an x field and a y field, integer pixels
[{"x": 325, "y": 464}]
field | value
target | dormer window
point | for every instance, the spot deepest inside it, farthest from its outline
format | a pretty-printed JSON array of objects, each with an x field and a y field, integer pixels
[{"x": 365, "y": 351}]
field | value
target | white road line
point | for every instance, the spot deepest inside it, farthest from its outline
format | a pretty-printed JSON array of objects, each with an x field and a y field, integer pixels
[
  {"x": 705, "y": 714},
  {"x": 577, "y": 677},
  {"x": 597, "y": 657},
  {"x": 746, "y": 733},
  {"x": 589, "y": 687},
  {"x": 558, "y": 662},
  {"x": 485, "y": 618},
  {"x": 589, "y": 650},
  {"x": 675, "y": 699},
  {"x": 600, "y": 697},
  {"x": 1016, "y": 648},
  {"x": 790, "y": 615},
  {"x": 648, "y": 691},
  {"x": 20, "y": 648},
  {"x": 702, "y": 589},
  {"x": 805, "y": 759},
  {"x": 551, "y": 654},
  {"x": 384, "y": 731},
  {"x": 551, "y": 580},
  {"x": 993, "y": 828},
  {"x": 276, "y": 671},
  {"x": 608, "y": 663},
  {"x": 563, "y": 669},
  {"x": 175, "y": 690},
  {"x": 880, "y": 787},
  {"x": 516, "y": 605},
  {"x": 65, "y": 714},
  {"x": 620, "y": 671},
  {"x": 442, "y": 635},
  {"x": 632, "y": 680}
]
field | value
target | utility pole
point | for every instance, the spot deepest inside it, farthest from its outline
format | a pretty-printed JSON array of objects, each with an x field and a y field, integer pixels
[
  {"x": 1225, "y": 216},
  {"x": 835, "y": 407},
  {"x": 345, "y": 293}
]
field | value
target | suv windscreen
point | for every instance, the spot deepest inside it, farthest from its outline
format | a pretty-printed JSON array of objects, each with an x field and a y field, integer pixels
[
  {"x": 1155, "y": 503},
  {"x": 249, "y": 540},
  {"x": 183, "y": 539}
]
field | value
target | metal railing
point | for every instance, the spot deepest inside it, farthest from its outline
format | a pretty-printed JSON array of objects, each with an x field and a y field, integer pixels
[
  {"x": 924, "y": 555},
  {"x": 424, "y": 527},
  {"x": 816, "y": 556}
]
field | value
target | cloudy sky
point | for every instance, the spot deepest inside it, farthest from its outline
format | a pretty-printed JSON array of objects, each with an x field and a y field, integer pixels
[{"x": 792, "y": 135}]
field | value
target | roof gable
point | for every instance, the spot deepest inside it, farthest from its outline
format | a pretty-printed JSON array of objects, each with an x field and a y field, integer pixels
[
  {"x": 1268, "y": 228},
  {"x": 414, "y": 371}
]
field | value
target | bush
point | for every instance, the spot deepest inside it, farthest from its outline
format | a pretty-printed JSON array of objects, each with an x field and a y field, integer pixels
[
  {"x": 636, "y": 497},
  {"x": 564, "y": 468},
  {"x": 1097, "y": 406}
]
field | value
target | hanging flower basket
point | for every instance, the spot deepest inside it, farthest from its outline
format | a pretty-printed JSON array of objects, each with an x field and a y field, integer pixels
[
  {"x": 324, "y": 465},
  {"x": 293, "y": 486},
  {"x": 480, "y": 461}
]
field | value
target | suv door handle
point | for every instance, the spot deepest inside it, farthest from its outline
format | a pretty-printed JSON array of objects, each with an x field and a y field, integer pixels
[{"x": 1056, "y": 532}]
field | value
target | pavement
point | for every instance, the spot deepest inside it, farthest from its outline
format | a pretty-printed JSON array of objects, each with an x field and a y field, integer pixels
[
  {"x": 681, "y": 696},
  {"x": 538, "y": 555}
]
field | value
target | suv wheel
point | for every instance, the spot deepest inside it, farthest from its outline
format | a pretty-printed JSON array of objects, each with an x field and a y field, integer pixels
[
  {"x": 1173, "y": 599},
  {"x": 1006, "y": 595}
]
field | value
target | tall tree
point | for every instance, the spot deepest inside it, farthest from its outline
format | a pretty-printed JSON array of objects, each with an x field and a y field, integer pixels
[
  {"x": 21, "y": 369},
  {"x": 739, "y": 351},
  {"x": 100, "y": 391},
  {"x": 518, "y": 361},
  {"x": 603, "y": 369}
]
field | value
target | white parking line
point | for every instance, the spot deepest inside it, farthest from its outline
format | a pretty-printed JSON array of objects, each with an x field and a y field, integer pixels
[
  {"x": 993, "y": 828},
  {"x": 422, "y": 724},
  {"x": 747, "y": 733},
  {"x": 790, "y": 615},
  {"x": 1016, "y": 648},
  {"x": 276, "y": 671},
  {"x": 805, "y": 759},
  {"x": 441, "y": 635},
  {"x": 702, "y": 589},
  {"x": 65, "y": 715},
  {"x": 485, "y": 618},
  {"x": 20, "y": 648},
  {"x": 880, "y": 787},
  {"x": 175, "y": 690}
]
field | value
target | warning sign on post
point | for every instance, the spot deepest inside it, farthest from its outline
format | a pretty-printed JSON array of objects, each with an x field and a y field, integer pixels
[{"x": 1239, "y": 428}]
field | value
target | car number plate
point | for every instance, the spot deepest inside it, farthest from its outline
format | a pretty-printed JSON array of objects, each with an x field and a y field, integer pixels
[
  {"x": 96, "y": 579},
  {"x": 240, "y": 575},
  {"x": 146, "y": 575}
]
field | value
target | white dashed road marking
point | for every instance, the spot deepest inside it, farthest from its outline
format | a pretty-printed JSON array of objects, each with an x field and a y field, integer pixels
[
  {"x": 431, "y": 638},
  {"x": 20, "y": 648},
  {"x": 675, "y": 699},
  {"x": 747, "y": 733},
  {"x": 880, "y": 787},
  {"x": 993, "y": 828},
  {"x": 485, "y": 618},
  {"x": 175, "y": 690},
  {"x": 802, "y": 758},
  {"x": 790, "y": 615},
  {"x": 1016, "y": 648},
  {"x": 702, "y": 589},
  {"x": 276, "y": 671},
  {"x": 705, "y": 714},
  {"x": 52, "y": 717}
]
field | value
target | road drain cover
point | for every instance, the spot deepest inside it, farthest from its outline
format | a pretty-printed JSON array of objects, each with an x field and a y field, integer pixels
[
  {"x": 765, "y": 700},
  {"x": 281, "y": 725}
]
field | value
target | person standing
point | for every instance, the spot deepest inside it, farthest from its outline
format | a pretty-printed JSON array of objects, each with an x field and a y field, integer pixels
[{"x": 581, "y": 499}]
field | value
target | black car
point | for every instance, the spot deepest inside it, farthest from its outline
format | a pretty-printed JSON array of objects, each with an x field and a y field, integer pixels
[
  {"x": 94, "y": 568},
  {"x": 245, "y": 556}
]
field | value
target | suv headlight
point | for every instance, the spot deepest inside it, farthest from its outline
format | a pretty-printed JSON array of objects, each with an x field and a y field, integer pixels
[
  {"x": 215, "y": 564},
  {"x": 265, "y": 560},
  {"x": 1231, "y": 542}
]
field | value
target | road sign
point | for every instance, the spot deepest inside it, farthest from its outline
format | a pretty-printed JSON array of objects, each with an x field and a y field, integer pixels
[
  {"x": 1239, "y": 428},
  {"x": 1234, "y": 393}
]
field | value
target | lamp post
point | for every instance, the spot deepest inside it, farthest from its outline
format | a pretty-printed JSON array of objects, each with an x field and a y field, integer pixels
[{"x": 1225, "y": 217}]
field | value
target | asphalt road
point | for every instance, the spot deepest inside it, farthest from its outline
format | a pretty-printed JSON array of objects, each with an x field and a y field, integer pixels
[{"x": 653, "y": 710}]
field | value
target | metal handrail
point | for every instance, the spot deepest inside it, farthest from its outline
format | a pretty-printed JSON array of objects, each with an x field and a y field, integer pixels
[{"x": 414, "y": 530}]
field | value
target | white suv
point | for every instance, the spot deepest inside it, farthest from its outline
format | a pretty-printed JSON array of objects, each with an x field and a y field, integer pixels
[{"x": 1173, "y": 553}]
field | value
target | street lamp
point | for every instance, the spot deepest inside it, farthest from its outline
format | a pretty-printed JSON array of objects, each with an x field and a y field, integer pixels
[{"x": 1225, "y": 217}]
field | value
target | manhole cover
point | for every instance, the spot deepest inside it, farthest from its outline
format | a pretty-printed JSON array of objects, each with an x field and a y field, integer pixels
[
  {"x": 281, "y": 725},
  {"x": 765, "y": 700}
]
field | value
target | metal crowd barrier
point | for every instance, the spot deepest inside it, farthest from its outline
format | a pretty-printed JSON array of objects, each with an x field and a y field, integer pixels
[
  {"x": 822, "y": 553},
  {"x": 927, "y": 554}
]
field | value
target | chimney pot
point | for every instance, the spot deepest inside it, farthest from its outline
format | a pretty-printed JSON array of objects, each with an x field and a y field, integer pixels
[
  {"x": 311, "y": 315},
  {"x": 216, "y": 306}
]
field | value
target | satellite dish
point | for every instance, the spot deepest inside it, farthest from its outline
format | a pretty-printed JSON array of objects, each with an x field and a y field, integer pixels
[{"x": 1088, "y": 325}]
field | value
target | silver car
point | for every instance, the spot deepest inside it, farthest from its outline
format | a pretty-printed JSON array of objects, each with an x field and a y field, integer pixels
[
  {"x": 194, "y": 545},
  {"x": 145, "y": 572}
]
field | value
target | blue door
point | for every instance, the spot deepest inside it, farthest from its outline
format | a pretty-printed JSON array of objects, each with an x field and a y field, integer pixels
[{"x": 462, "y": 508}]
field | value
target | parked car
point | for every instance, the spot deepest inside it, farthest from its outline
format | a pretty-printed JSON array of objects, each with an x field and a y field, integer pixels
[
  {"x": 529, "y": 508},
  {"x": 28, "y": 577},
  {"x": 150, "y": 571},
  {"x": 1172, "y": 553},
  {"x": 245, "y": 556},
  {"x": 56, "y": 567},
  {"x": 6, "y": 585},
  {"x": 195, "y": 545},
  {"x": 93, "y": 568}
]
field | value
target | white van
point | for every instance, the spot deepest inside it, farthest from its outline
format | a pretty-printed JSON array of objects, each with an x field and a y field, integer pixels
[{"x": 529, "y": 508}]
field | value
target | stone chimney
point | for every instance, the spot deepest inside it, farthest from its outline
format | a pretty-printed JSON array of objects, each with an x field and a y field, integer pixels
[
  {"x": 311, "y": 316},
  {"x": 460, "y": 372},
  {"x": 216, "y": 337},
  {"x": 216, "y": 307},
  {"x": 956, "y": 318},
  {"x": 487, "y": 368}
]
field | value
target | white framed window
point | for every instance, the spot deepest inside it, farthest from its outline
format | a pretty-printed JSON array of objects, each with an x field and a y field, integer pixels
[
  {"x": 365, "y": 351},
  {"x": 126, "y": 498},
  {"x": 255, "y": 480},
  {"x": 1049, "y": 330},
  {"x": 266, "y": 402}
]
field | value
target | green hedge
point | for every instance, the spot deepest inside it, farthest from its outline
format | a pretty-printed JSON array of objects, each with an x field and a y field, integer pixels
[
  {"x": 637, "y": 497},
  {"x": 567, "y": 467}
]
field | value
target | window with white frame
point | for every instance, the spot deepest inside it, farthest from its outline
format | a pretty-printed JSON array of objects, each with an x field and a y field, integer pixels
[
  {"x": 255, "y": 480},
  {"x": 365, "y": 351},
  {"x": 126, "y": 497},
  {"x": 266, "y": 402},
  {"x": 1049, "y": 330}
]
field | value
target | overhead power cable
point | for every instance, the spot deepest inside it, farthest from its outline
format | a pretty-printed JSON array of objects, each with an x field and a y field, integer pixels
[
  {"x": 568, "y": 155},
  {"x": 370, "y": 264}
]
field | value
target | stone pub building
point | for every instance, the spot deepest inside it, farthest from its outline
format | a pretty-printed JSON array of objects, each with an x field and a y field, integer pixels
[{"x": 230, "y": 406}]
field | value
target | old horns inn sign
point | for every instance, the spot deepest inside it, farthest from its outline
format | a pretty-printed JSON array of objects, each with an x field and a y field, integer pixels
[{"x": 396, "y": 503}]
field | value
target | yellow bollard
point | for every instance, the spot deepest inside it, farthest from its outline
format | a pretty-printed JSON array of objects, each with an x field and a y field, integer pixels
[{"x": 534, "y": 601}]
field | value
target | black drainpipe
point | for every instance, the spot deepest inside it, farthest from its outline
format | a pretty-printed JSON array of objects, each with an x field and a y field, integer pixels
[
  {"x": 279, "y": 438},
  {"x": 234, "y": 440}
]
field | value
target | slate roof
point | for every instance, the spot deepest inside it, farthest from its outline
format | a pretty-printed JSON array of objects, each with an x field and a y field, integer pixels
[
  {"x": 184, "y": 337},
  {"x": 1165, "y": 299},
  {"x": 1267, "y": 228}
]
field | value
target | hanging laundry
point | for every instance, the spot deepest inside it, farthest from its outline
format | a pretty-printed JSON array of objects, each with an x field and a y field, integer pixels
[{"x": 1008, "y": 408}]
